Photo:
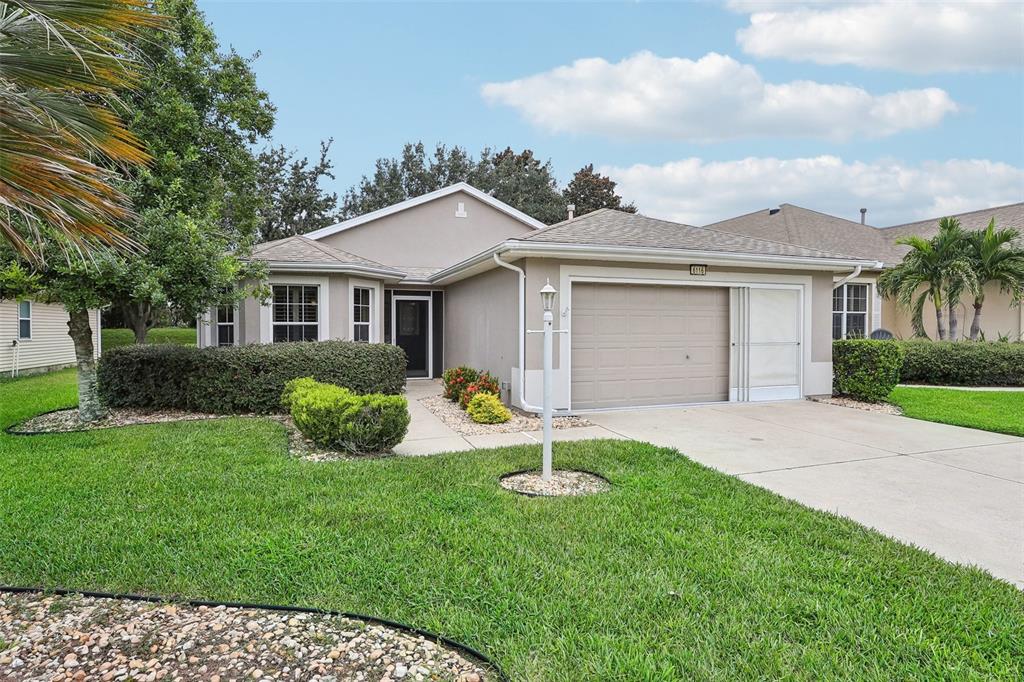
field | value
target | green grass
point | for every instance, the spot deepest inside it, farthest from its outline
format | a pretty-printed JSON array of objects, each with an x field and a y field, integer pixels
[
  {"x": 999, "y": 411},
  {"x": 678, "y": 573},
  {"x": 112, "y": 338}
]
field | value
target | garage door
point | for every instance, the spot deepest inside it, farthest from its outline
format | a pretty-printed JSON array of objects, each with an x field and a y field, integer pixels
[{"x": 636, "y": 344}]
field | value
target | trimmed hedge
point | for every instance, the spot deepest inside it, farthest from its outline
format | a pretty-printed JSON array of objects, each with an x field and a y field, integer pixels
[
  {"x": 866, "y": 369},
  {"x": 335, "y": 417},
  {"x": 242, "y": 379},
  {"x": 963, "y": 363}
]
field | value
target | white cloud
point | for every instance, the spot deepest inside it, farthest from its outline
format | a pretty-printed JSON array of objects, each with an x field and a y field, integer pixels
[
  {"x": 712, "y": 98},
  {"x": 919, "y": 37},
  {"x": 699, "y": 192}
]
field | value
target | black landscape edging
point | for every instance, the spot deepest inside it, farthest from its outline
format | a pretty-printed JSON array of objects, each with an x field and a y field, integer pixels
[
  {"x": 533, "y": 470},
  {"x": 374, "y": 620}
]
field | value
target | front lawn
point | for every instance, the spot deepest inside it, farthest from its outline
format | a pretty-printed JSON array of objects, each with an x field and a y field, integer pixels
[
  {"x": 678, "y": 573},
  {"x": 185, "y": 336},
  {"x": 999, "y": 411}
]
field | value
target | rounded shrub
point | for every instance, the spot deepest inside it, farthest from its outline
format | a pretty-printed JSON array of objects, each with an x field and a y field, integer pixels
[
  {"x": 455, "y": 380},
  {"x": 487, "y": 408},
  {"x": 336, "y": 418},
  {"x": 865, "y": 369},
  {"x": 485, "y": 383}
]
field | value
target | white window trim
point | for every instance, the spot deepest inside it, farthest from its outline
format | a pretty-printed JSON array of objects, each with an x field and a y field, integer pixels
[
  {"x": 375, "y": 307},
  {"x": 30, "y": 323},
  {"x": 323, "y": 305},
  {"x": 626, "y": 275},
  {"x": 218, "y": 324},
  {"x": 429, "y": 298},
  {"x": 867, "y": 312}
]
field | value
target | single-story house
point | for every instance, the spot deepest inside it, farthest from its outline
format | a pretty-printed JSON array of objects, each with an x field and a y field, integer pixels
[
  {"x": 857, "y": 307},
  {"x": 34, "y": 337},
  {"x": 651, "y": 312}
]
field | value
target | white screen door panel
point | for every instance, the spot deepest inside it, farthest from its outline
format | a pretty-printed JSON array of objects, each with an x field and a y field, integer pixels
[{"x": 774, "y": 344}]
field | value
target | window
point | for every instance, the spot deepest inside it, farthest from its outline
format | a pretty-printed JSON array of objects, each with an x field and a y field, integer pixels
[
  {"x": 25, "y": 320},
  {"x": 362, "y": 311},
  {"x": 850, "y": 311},
  {"x": 226, "y": 325},
  {"x": 296, "y": 315}
]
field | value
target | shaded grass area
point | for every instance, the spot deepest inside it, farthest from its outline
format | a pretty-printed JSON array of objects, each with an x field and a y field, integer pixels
[
  {"x": 999, "y": 411},
  {"x": 678, "y": 573},
  {"x": 185, "y": 336}
]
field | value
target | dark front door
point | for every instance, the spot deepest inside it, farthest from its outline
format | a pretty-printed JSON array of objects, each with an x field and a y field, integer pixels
[{"x": 412, "y": 333}]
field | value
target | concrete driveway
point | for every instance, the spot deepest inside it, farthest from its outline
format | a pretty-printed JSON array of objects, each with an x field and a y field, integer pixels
[{"x": 954, "y": 491}]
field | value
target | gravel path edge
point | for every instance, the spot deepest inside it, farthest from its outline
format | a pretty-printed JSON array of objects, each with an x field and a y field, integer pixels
[{"x": 465, "y": 649}]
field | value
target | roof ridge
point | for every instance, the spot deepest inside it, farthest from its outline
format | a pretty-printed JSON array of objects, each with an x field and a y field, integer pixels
[
  {"x": 775, "y": 241},
  {"x": 829, "y": 215},
  {"x": 331, "y": 251},
  {"x": 954, "y": 215},
  {"x": 737, "y": 217}
]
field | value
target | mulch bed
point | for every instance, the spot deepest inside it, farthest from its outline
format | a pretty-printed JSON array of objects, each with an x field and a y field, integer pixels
[
  {"x": 883, "y": 408},
  {"x": 78, "y": 638},
  {"x": 64, "y": 421},
  {"x": 563, "y": 483},
  {"x": 455, "y": 418}
]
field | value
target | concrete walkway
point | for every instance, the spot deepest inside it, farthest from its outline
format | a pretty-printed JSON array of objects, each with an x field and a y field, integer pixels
[
  {"x": 954, "y": 491},
  {"x": 428, "y": 435}
]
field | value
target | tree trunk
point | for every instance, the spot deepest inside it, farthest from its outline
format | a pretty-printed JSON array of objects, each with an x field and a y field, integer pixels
[
  {"x": 940, "y": 324},
  {"x": 954, "y": 324},
  {"x": 80, "y": 331},
  {"x": 976, "y": 322},
  {"x": 138, "y": 315}
]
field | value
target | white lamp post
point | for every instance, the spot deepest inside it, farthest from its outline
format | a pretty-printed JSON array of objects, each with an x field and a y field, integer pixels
[{"x": 547, "y": 297}]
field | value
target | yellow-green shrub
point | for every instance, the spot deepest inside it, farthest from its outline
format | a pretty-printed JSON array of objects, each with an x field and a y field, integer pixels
[
  {"x": 486, "y": 408},
  {"x": 335, "y": 417}
]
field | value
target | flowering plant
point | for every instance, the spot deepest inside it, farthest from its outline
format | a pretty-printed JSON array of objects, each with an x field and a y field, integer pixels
[
  {"x": 485, "y": 383},
  {"x": 456, "y": 379}
]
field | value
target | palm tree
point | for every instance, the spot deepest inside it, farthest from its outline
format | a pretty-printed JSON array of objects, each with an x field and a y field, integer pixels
[
  {"x": 996, "y": 259},
  {"x": 933, "y": 269},
  {"x": 62, "y": 61},
  {"x": 952, "y": 242}
]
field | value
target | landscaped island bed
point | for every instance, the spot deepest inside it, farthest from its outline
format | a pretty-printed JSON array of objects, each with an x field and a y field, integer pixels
[{"x": 677, "y": 572}]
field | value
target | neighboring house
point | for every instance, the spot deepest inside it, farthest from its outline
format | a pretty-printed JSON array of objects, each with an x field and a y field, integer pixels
[
  {"x": 857, "y": 308},
  {"x": 34, "y": 337},
  {"x": 652, "y": 312}
]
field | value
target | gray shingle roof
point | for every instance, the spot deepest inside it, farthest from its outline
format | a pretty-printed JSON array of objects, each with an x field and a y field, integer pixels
[
  {"x": 299, "y": 249},
  {"x": 608, "y": 227},
  {"x": 1009, "y": 216}
]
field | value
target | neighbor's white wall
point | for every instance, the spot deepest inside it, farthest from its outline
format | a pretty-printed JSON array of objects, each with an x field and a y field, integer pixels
[{"x": 50, "y": 345}]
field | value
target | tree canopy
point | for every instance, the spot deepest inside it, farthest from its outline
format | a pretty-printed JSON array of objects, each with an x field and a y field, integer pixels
[
  {"x": 590, "y": 191},
  {"x": 294, "y": 202}
]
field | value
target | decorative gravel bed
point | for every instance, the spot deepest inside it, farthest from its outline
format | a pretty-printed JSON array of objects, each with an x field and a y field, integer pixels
[
  {"x": 63, "y": 421},
  {"x": 52, "y": 638},
  {"x": 563, "y": 482},
  {"x": 884, "y": 408},
  {"x": 455, "y": 418}
]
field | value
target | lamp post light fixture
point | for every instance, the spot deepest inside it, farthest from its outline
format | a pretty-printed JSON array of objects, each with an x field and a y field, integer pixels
[{"x": 547, "y": 297}]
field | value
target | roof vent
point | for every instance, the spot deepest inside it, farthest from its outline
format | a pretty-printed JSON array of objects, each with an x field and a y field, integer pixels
[
  {"x": 460, "y": 211},
  {"x": 773, "y": 211},
  {"x": 863, "y": 214}
]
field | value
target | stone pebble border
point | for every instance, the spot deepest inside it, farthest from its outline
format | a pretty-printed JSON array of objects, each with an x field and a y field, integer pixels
[
  {"x": 564, "y": 483},
  {"x": 455, "y": 418},
  {"x": 840, "y": 401},
  {"x": 67, "y": 635}
]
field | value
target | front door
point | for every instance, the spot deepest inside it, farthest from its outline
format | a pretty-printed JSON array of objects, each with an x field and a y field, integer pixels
[{"x": 412, "y": 333}]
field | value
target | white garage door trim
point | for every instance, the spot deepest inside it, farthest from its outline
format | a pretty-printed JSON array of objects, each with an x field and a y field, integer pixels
[{"x": 733, "y": 280}]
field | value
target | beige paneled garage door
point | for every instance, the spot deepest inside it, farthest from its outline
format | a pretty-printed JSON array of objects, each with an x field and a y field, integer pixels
[{"x": 638, "y": 344}]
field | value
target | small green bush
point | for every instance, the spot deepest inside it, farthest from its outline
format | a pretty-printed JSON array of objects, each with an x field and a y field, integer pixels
[
  {"x": 335, "y": 417},
  {"x": 963, "y": 363},
  {"x": 241, "y": 379},
  {"x": 455, "y": 379},
  {"x": 486, "y": 408},
  {"x": 485, "y": 383},
  {"x": 865, "y": 369}
]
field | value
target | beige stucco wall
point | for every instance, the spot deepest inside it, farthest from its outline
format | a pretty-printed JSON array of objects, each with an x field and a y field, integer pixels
[
  {"x": 482, "y": 321},
  {"x": 50, "y": 345},
  {"x": 430, "y": 235},
  {"x": 998, "y": 317}
]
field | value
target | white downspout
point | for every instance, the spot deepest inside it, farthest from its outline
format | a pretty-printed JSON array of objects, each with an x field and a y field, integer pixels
[
  {"x": 852, "y": 275},
  {"x": 522, "y": 334}
]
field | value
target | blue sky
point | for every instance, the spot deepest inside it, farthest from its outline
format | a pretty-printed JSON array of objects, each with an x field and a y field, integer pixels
[{"x": 374, "y": 76}]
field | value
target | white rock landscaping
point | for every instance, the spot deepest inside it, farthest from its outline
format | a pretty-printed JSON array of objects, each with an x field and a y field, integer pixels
[{"x": 563, "y": 482}]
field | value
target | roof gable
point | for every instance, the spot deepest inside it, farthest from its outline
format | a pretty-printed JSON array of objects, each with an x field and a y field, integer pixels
[{"x": 425, "y": 198}]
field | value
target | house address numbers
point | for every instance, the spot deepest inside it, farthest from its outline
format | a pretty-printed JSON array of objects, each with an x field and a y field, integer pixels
[{"x": 698, "y": 270}]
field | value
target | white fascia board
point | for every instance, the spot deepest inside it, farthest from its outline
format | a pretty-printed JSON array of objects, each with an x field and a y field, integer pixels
[
  {"x": 422, "y": 199},
  {"x": 515, "y": 249},
  {"x": 340, "y": 268}
]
